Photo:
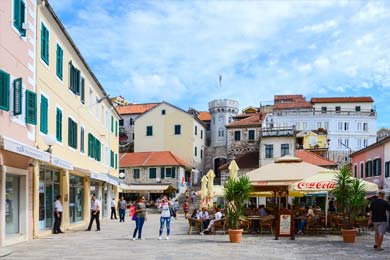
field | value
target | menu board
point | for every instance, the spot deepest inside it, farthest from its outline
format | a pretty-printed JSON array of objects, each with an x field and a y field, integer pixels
[{"x": 285, "y": 224}]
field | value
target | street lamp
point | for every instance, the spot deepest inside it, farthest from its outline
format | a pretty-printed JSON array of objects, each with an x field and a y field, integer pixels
[{"x": 49, "y": 140}]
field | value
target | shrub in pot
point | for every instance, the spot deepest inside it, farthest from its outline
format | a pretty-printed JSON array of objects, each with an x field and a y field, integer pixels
[{"x": 237, "y": 191}]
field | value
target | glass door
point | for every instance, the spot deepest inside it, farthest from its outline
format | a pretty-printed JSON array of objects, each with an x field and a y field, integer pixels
[
  {"x": 12, "y": 187},
  {"x": 49, "y": 189},
  {"x": 76, "y": 198}
]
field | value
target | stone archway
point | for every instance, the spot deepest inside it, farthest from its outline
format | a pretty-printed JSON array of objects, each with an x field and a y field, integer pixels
[{"x": 218, "y": 162}]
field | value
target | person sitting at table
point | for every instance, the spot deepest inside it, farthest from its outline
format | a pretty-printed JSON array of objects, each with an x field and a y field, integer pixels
[
  {"x": 204, "y": 217},
  {"x": 195, "y": 214},
  {"x": 262, "y": 212},
  {"x": 217, "y": 216},
  {"x": 302, "y": 221}
]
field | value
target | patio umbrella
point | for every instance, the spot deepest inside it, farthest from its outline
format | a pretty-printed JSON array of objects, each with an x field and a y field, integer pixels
[
  {"x": 233, "y": 170},
  {"x": 210, "y": 187},
  {"x": 203, "y": 191}
]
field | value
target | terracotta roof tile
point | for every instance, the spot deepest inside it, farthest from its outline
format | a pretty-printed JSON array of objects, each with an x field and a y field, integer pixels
[
  {"x": 255, "y": 119},
  {"x": 161, "y": 158},
  {"x": 341, "y": 99},
  {"x": 135, "y": 108},
  {"x": 313, "y": 158},
  {"x": 292, "y": 105},
  {"x": 204, "y": 116},
  {"x": 246, "y": 161}
]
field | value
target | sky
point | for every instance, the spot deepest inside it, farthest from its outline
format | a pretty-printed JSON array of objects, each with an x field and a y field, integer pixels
[{"x": 149, "y": 51}]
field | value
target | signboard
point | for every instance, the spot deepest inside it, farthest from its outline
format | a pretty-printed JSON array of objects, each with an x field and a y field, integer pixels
[
  {"x": 99, "y": 176},
  {"x": 284, "y": 224},
  {"x": 16, "y": 147},
  {"x": 18, "y": 96},
  {"x": 61, "y": 163}
]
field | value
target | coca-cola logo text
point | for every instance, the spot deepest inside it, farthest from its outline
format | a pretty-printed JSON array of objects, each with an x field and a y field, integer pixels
[{"x": 318, "y": 185}]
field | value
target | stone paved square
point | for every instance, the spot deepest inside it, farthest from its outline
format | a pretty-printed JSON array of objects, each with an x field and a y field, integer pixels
[{"x": 114, "y": 242}]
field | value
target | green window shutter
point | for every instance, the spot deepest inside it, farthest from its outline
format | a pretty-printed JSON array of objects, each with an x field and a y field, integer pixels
[
  {"x": 71, "y": 75},
  {"x": 149, "y": 131},
  {"x": 70, "y": 132},
  {"x": 112, "y": 124},
  {"x": 4, "y": 90},
  {"x": 44, "y": 44},
  {"x": 152, "y": 173},
  {"x": 77, "y": 82},
  {"x": 162, "y": 172},
  {"x": 173, "y": 172},
  {"x": 59, "y": 125},
  {"x": 18, "y": 86},
  {"x": 75, "y": 131},
  {"x": 89, "y": 145},
  {"x": 112, "y": 159},
  {"x": 59, "y": 62},
  {"x": 31, "y": 107},
  {"x": 116, "y": 161},
  {"x": 44, "y": 114},
  {"x": 17, "y": 18},
  {"x": 82, "y": 139},
  {"x": 82, "y": 94},
  {"x": 22, "y": 11},
  {"x": 116, "y": 128}
]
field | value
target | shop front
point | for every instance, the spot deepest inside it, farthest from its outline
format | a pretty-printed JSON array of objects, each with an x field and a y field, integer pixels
[
  {"x": 16, "y": 178},
  {"x": 76, "y": 199},
  {"x": 104, "y": 187}
]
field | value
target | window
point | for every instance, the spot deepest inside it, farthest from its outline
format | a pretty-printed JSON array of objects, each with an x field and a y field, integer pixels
[
  {"x": 162, "y": 172},
  {"x": 152, "y": 173},
  {"x": 269, "y": 151},
  {"x": 365, "y": 127},
  {"x": 168, "y": 172},
  {"x": 362, "y": 170},
  {"x": 284, "y": 149},
  {"x": 237, "y": 135},
  {"x": 149, "y": 130},
  {"x": 319, "y": 125},
  {"x": 355, "y": 171},
  {"x": 357, "y": 108},
  {"x": 338, "y": 109},
  {"x": 112, "y": 124},
  {"x": 340, "y": 143},
  {"x": 359, "y": 126},
  {"x": 18, "y": 88},
  {"x": 346, "y": 143},
  {"x": 136, "y": 174},
  {"x": 196, "y": 130},
  {"x": 304, "y": 125},
  {"x": 121, "y": 123},
  {"x": 368, "y": 168},
  {"x": 251, "y": 135},
  {"x": 358, "y": 144},
  {"x": 173, "y": 172},
  {"x": 177, "y": 129},
  {"x": 376, "y": 167},
  {"x": 59, "y": 61},
  {"x": 44, "y": 114},
  {"x": 94, "y": 149},
  {"x": 97, "y": 107},
  {"x": 82, "y": 131},
  {"x": 196, "y": 151},
  {"x": 201, "y": 154},
  {"x": 340, "y": 126},
  {"x": 116, "y": 128},
  {"x": 326, "y": 125},
  {"x": 221, "y": 132},
  {"x": 59, "y": 125},
  {"x": 72, "y": 133},
  {"x": 323, "y": 109},
  {"x": 20, "y": 16},
  {"x": 31, "y": 107},
  {"x": 387, "y": 169},
  {"x": 90, "y": 96},
  {"x": 112, "y": 159},
  {"x": 82, "y": 94},
  {"x": 201, "y": 134},
  {"x": 74, "y": 79},
  {"x": 116, "y": 161},
  {"x": 163, "y": 112},
  {"x": 365, "y": 143},
  {"x": 346, "y": 126},
  {"x": 44, "y": 44},
  {"x": 131, "y": 121},
  {"x": 4, "y": 90}
]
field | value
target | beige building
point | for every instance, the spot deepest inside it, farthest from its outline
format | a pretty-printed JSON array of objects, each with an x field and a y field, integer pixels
[
  {"x": 77, "y": 124},
  {"x": 169, "y": 128}
]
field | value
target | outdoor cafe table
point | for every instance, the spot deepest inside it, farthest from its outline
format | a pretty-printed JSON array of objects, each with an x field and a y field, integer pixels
[{"x": 251, "y": 220}]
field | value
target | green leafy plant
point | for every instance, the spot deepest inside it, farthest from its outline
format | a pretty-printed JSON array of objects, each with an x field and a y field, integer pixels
[
  {"x": 349, "y": 193},
  {"x": 237, "y": 191}
]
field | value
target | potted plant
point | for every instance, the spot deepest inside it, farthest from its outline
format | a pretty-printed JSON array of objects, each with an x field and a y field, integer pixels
[
  {"x": 349, "y": 193},
  {"x": 237, "y": 191}
]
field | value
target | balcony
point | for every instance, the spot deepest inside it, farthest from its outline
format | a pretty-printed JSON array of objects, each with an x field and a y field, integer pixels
[
  {"x": 277, "y": 131},
  {"x": 307, "y": 112}
]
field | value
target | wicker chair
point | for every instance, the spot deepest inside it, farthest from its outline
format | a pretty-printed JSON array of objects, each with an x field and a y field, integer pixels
[{"x": 194, "y": 223}]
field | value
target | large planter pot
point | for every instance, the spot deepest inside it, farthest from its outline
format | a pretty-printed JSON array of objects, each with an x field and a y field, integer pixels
[
  {"x": 349, "y": 235},
  {"x": 235, "y": 235}
]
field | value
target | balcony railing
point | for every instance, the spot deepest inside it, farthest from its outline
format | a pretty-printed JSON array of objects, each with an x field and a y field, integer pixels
[
  {"x": 277, "y": 131},
  {"x": 308, "y": 112}
]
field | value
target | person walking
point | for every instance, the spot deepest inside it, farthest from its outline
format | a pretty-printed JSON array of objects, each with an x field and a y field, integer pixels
[
  {"x": 165, "y": 218},
  {"x": 186, "y": 208},
  {"x": 113, "y": 209},
  {"x": 140, "y": 211},
  {"x": 378, "y": 217},
  {"x": 122, "y": 204},
  {"x": 95, "y": 212},
  {"x": 176, "y": 206},
  {"x": 57, "y": 216}
]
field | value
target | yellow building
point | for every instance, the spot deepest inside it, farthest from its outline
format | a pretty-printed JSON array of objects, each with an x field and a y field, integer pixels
[
  {"x": 78, "y": 123},
  {"x": 168, "y": 128},
  {"x": 315, "y": 140}
]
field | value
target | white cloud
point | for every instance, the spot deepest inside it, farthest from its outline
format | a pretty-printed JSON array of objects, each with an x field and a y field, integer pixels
[
  {"x": 373, "y": 11},
  {"x": 322, "y": 63},
  {"x": 321, "y": 27}
]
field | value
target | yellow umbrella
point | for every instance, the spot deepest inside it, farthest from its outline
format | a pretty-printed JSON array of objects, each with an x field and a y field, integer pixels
[
  {"x": 203, "y": 191},
  {"x": 233, "y": 170},
  {"x": 210, "y": 186}
]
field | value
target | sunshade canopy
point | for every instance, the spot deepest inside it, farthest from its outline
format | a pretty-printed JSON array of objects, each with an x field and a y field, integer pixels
[{"x": 325, "y": 181}]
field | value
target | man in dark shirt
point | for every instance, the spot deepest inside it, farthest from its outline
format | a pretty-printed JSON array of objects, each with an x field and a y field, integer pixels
[{"x": 378, "y": 217}]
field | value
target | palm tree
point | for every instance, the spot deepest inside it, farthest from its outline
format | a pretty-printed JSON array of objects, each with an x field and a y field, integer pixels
[{"x": 237, "y": 191}]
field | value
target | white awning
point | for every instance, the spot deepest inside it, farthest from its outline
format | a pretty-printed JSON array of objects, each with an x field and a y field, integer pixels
[
  {"x": 26, "y": 150},
  {"x": 147, "y": 188}
]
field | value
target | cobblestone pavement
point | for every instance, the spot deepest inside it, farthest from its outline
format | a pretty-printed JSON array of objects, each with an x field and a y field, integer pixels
[{"x": 114, "y": 242}]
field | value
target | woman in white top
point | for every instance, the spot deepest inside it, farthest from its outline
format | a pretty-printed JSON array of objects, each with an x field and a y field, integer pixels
[
  {"x": 218, "y": 216},
  {"x": 165, "y": 217}
]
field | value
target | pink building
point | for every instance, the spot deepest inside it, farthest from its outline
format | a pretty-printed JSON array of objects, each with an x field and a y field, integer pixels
[
  {"x": 372, "y": 163},
  {"x": 17, "y": 119}
]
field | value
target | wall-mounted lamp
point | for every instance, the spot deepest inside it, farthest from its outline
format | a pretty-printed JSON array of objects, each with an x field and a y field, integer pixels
[{"x": 49, "y": 140}]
